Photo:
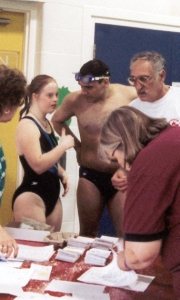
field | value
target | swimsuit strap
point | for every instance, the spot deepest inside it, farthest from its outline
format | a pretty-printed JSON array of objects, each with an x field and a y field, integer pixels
[
  {"x": 42, "y": 130},
  {"x": 53, "y": 169}
]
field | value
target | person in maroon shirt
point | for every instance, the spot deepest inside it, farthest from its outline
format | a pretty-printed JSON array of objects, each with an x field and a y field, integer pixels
[{"x": 149, "y": 150}]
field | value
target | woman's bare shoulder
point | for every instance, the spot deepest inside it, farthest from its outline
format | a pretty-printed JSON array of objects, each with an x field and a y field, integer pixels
[{"x": 26, "y": 125}]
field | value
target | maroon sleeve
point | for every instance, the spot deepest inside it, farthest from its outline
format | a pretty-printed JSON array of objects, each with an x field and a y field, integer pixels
[{"x": 152, "y": 185}]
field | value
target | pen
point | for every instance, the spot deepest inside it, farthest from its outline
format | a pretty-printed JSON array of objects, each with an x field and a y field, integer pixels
[{"x": 3, "y": 260}]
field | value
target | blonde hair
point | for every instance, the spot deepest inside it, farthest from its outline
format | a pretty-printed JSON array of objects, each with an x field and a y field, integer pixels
[{"x": 130, "y": 128}]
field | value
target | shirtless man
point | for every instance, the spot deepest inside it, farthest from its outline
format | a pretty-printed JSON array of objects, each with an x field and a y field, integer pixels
[{"x": 91, "y": 105}]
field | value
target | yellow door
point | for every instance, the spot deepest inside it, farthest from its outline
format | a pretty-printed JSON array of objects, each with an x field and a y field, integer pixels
[{"x": 11, "y": 54}]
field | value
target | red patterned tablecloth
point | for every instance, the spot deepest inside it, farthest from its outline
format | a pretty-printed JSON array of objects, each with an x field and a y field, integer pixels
[{"x": 159, "y": 289}]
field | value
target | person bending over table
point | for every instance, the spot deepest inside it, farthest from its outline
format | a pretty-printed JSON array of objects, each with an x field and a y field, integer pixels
[{"x": 148, "y": 149}]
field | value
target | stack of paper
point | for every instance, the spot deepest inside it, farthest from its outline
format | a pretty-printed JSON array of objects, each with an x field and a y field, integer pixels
[
  {"x": 85, "y": 239},
  {"x": 79, "y": 242},
  {"x": 96, "y": 257},
  {"x": 67, "y": 255},
  {"x": 102, "y": 244},
  {"x": 74, "y": 249},
  {"x": 112, "y": 239},
  {"x": 32, "y": 253}
]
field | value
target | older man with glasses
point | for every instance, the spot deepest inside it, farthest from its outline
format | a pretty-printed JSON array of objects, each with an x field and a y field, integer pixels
[
  {"x": 91, "y": 105},
  {"x": 156, "y": 99}
]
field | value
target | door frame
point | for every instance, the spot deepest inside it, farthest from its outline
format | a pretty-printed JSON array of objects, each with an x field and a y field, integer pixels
[
  {"x": 30, "y": 65},
  {"x": 93, "y": 15},
  {"x": 30, "y": 11}
]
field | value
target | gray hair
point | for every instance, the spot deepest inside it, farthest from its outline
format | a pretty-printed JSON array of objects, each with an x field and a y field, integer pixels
[{"x": 157, "y": 60}]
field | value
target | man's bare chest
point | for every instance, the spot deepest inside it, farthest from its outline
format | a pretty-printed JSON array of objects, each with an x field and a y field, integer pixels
[{"x": 92, "y": 118}]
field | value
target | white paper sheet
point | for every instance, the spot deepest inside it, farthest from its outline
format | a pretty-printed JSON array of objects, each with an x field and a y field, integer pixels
[
  {"x": 141, "y": 284},
  {"x": 32, "y": 253},
  {"x": 92, "y": 296},
  {"x": 12, "y": 290},
  {"x": 37, "y": 296},
  {"x": 41, "y": 272},
  {"x": 17, "y": 277},
  {"x": 120, "y": 244},
  {"x": 9, "y": 263},
  {"x": 109, "y": 275},
  {"x": 72, "y": 287}
]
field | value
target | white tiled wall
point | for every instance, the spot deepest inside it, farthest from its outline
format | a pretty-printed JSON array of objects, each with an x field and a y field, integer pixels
[
  {"x": 59, "y": 39},
  {"x": 67, "y": 42}
]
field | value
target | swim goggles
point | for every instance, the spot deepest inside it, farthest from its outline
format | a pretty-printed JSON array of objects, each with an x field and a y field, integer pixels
[{"x": 88, "y": 78}]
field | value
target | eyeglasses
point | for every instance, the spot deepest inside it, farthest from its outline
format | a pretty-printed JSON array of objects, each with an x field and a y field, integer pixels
[
  {"x": 142, "y": 79},
  {"x": 88, "y": 78}
]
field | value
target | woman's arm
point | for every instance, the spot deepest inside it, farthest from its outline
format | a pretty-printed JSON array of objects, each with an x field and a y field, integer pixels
[
  {"x": 63, "y": 113},
  {"x": 138, "y": 255},
  {"x": 28, "y": 144},
  {"x": 64, "y": 179}
]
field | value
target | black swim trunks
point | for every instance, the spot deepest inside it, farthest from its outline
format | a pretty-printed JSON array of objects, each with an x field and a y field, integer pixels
[
  {"x": 101, "y": 180},
  {"x": 45, "y": 185}
]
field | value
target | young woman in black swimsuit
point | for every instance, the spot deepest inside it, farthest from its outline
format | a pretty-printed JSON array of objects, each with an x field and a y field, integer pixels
[{"x": 38, "y": 195}]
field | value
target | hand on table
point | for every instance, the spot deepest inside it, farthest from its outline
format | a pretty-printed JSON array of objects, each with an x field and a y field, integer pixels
[{"x": 7, "y": 243}]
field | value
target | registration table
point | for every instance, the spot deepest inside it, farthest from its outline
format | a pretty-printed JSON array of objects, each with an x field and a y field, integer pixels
[{"x": 159, "y": 289}]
